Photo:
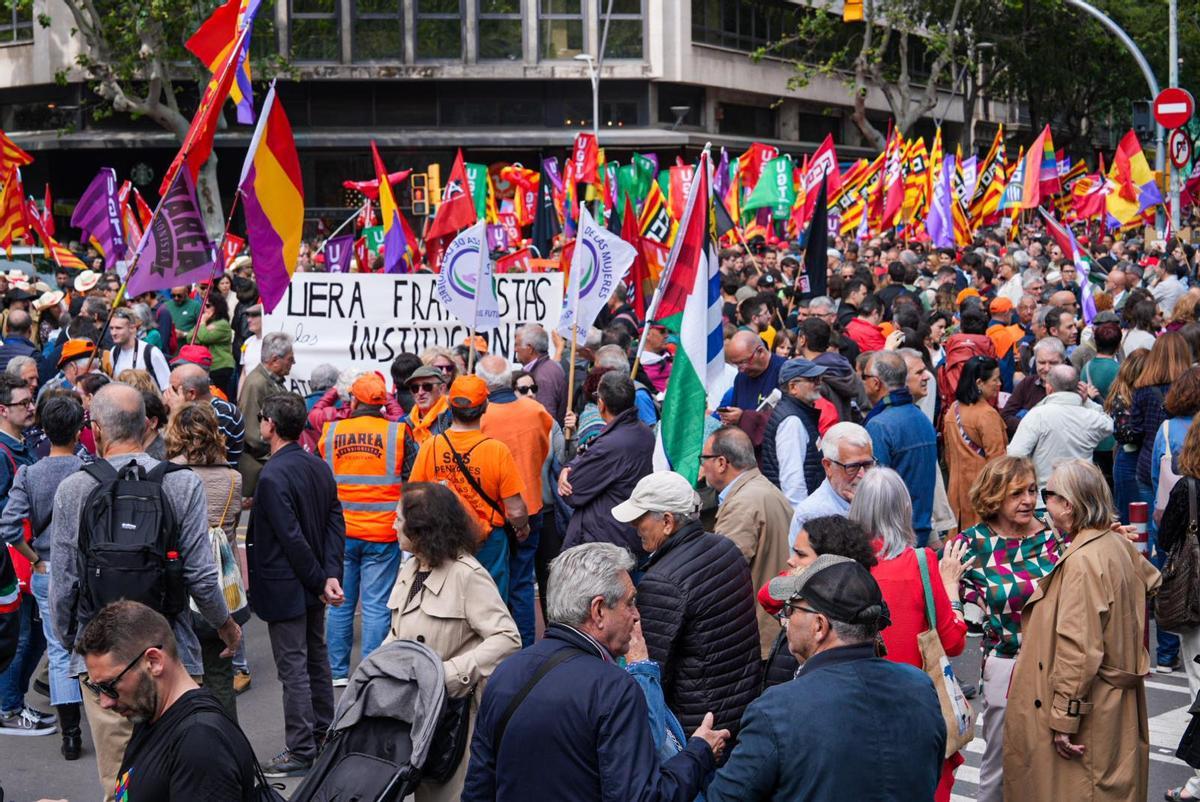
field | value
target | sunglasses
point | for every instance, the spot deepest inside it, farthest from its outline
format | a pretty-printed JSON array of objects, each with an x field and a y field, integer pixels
[
  {"x": 528, "y": 389},
  {"x": 789, "y": 609},
  {"x": 109, "y": 688},
  {"x": 423, "y": 387},
  {"x": 262, "y": 417},
  {"x": 1049, "y": 494},
  {"x": 445, "y": 368}
]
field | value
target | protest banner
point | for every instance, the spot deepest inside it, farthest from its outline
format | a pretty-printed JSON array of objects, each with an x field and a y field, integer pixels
[{"x": 362, "y": 321}]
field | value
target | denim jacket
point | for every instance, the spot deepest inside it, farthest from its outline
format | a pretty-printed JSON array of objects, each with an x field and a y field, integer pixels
[{"x": 665, "y": 729}]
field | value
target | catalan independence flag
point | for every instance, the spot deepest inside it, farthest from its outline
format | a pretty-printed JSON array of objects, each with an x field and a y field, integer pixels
[
  {"x": 273, "y": 197},
  {"x": 11, "y": 156},
  {"x": 214, "y": 40}
]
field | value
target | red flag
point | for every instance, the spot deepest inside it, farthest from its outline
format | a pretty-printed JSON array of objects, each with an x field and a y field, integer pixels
[
  {"x": 361, "y": 255},
  {"x": 370, "y": 188},
  {"x": 681, "y": 185},
  {"x": 823, "y": 163},
  {"x": 516, "y": 262},
  {"x": 639, "y": 274},
  {"x": 197, "y": 144},
  {"x": 457, "y": 210},
  {"x": 893, "y": 180},
  {"x": 48, "y": 212},
  {"x": 366, "y": 217},
  {"x": 585, "y": 157},
  {"x": 232, "y": 246}
]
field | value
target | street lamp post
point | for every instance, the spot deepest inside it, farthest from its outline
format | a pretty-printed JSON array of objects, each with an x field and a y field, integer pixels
[{"x": 594, "y": 74}]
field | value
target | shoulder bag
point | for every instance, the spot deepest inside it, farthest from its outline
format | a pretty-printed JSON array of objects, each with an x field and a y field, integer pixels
[
  {"x": 509, "y": 531},
  {"x": 229, "y": 571},
  {"x": 956, "y": 710},
  {"x": 1177, "y": 604},
  {"x": 1167, "y": 476}
]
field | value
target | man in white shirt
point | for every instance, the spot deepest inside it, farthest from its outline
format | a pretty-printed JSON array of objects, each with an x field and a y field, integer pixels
[
  {"x": 790, "y": 459},
  {"x": 846, "y": 456},
  {"x": 1169, "y": 288},
  {"x": 1063, "y": 425},
  {"x": 130, "y": 352}
]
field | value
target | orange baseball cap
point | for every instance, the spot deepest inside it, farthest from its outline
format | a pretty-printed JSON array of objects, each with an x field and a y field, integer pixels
[
  {"x": 1000, "y": 305},
  {"x": 969, "y": 292},
  {"x": 468, "y": 392},
  {"x": 74, "y": 349},
  {"x": 370, "y": 388}
]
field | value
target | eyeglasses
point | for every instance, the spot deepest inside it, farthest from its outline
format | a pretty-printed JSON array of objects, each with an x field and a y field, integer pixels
[
  {"x": 709, "y": 456},
  {"x": 423, "y": 387},
  {"x": 262, "y": 417},
  {"x": 28, "y": 402},
  {"x": 445, "y": 368},
  {"x": 789, "y": 609},
  {"x": 854, "y": 467},
  {"x": 1049, "y": 494},
  {"x": 741, "y": 363},
  {"x": 528, "y": 389},
  {"x": 109, "y": 688}
]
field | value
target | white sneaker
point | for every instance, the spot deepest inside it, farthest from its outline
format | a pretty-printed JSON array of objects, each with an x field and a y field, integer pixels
[
  {"x": 22, "y": 723},
  {"x": 341, "y": 682},
  {"x": 39, "y": 716}
]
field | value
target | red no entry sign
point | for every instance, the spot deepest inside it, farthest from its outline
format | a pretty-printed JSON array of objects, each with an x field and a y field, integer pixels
[{"x": 1173, "y": 107}]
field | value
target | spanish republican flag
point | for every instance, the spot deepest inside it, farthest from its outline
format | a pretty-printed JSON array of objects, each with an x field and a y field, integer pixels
[
  {"x": 273, "y": 197},
  {"x": 213, "y": 42},
  {"x": 1133, "y": 190}
]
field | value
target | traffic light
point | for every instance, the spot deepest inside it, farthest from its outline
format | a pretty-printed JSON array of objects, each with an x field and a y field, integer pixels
[
  {"x": 852, "y": 11},
  {"x": 434, "y": 171},
  {"x": 419, "y": 189}
]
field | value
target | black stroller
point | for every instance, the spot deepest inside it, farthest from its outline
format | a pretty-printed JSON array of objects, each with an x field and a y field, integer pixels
[{"x": 382, "y": 729}]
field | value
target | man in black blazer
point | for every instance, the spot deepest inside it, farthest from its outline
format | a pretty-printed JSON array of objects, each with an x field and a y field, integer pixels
[{"x": 294, "y": 547}]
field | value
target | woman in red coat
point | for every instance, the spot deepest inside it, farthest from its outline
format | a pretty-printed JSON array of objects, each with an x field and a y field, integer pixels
[{"x": 883, "y": 508}]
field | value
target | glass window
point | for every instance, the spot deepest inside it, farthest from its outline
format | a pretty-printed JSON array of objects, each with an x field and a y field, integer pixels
[
  {"x": 744, "y": 25},
  {"x": 378, "y": 30},
  {"x": 314, "y": 31},
  {"x": 739, "y": 120},
  {"x": 16, "y": 21},
  {"x": 264, "y": 42},
  {"x": 500, "y": 29},
  {"x": 624, "y": 28},
  {"x": 439, "y": 29},
  {"x": 560, "y": 28}
]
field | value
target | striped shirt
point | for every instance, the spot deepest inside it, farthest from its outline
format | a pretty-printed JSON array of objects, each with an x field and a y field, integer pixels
[
  {"x": 1003, "y": 574},
  {"x": 233, "y": 429}
]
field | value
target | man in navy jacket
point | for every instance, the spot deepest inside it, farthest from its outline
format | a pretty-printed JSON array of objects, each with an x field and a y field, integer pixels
[
  {"x": 561, "y": 720},
  {"x": 294, "y": 547},
  {"x": 850, "y": 725}
]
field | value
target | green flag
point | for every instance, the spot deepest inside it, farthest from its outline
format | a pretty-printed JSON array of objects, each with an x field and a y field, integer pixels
[
  {"x": 774, "y": 189},
  {"x": 627, "y": 186},
  {"x": 477, "y": 179},
  {"x": 646, "y": 168},
  {"x": 374, "y": 237}
]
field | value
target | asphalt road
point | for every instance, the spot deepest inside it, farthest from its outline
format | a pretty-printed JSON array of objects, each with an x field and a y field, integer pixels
[{"x": 31, "y": 767}]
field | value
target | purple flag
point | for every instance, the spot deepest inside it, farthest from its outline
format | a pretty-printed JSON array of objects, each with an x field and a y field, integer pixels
[
  {"x": 175, "y": 250},
  {"x": 497, "y": 238},
  {"x": 338, "y": 251},
  {"x": 721, "y": 175},
  {"x": 550, "y": 168},
  {"x": 98, "y": 216}
]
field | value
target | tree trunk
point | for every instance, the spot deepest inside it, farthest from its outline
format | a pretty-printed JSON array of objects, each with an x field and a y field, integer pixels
[
  {"x": 859, "y": 117},
  {"x": 209, "y": 197}
]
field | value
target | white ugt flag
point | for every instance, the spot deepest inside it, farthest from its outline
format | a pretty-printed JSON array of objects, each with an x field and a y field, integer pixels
[
  {"x": 467, "y": 266},
  {"x": 600, "y": 261}
]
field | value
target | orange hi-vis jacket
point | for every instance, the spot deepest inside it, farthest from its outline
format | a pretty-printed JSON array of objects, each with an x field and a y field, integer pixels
[{"x": 366, "y": 454}]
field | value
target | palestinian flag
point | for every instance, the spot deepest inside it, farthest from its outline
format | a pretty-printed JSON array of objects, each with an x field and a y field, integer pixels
[{"x": 691, "y": 306}]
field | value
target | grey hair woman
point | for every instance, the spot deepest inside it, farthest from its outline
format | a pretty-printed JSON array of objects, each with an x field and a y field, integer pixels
[{"x": 882, "y": 507}]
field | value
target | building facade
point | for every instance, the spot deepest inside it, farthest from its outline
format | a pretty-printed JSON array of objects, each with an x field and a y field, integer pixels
[{"x": 497, "y": 78}]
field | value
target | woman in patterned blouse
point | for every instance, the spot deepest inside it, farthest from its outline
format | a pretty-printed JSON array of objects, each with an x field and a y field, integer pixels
[{"x": 998, "y": 563}]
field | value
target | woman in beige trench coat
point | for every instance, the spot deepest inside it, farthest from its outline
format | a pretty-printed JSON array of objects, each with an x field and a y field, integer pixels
[
  {"x": 447, "y": 601},
  {"x": 1076, "y": 727}
]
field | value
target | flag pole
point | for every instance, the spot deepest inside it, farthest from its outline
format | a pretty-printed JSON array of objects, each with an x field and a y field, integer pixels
[
  {"x": 133, "y": 263},
  {"x": 220, "y": 263},
  {"x": 345, "y": 223},
  {"x": 483, "y": 257},
  {"x": 569, "y": 432}
]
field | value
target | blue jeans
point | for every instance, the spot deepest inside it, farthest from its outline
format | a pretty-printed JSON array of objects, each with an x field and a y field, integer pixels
[
  {"x": 369, "y": 568},
  {"x": 64, "y": 687},
  {"x": 1125, "y": 485},
  {"x": 30, "y": 645},
  {"x": 521, "y": 580},
  {"x": 493, "y": 555}
]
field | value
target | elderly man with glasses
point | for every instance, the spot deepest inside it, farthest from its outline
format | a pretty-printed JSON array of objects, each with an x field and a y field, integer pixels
[
  {"x": 846, "y": 456},
  {"x": 430, "y": 414},
  {"x": 758, "y": 375}
]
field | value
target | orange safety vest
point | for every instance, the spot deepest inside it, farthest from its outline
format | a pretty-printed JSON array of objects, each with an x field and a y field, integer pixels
[{"x": 366, "y": 455}]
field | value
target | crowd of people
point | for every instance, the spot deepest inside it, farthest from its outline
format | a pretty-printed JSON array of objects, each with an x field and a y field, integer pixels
[{"x": 946, "y": 443}]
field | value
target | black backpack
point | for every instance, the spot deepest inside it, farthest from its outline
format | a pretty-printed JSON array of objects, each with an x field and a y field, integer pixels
[{"x": 129, "y": 541}]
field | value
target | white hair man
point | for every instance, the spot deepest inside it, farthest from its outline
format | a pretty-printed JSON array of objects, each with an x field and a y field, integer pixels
[
  {"x": 532, "y": 349},
  {"x": 1064, "y": 425},
  {"x": 846, "y": 455}
]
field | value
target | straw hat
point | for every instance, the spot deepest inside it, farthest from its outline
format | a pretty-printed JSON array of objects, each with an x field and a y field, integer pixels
[
  {"x": 86, "y": 280},
  {"x": 48, "y": 299}
]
